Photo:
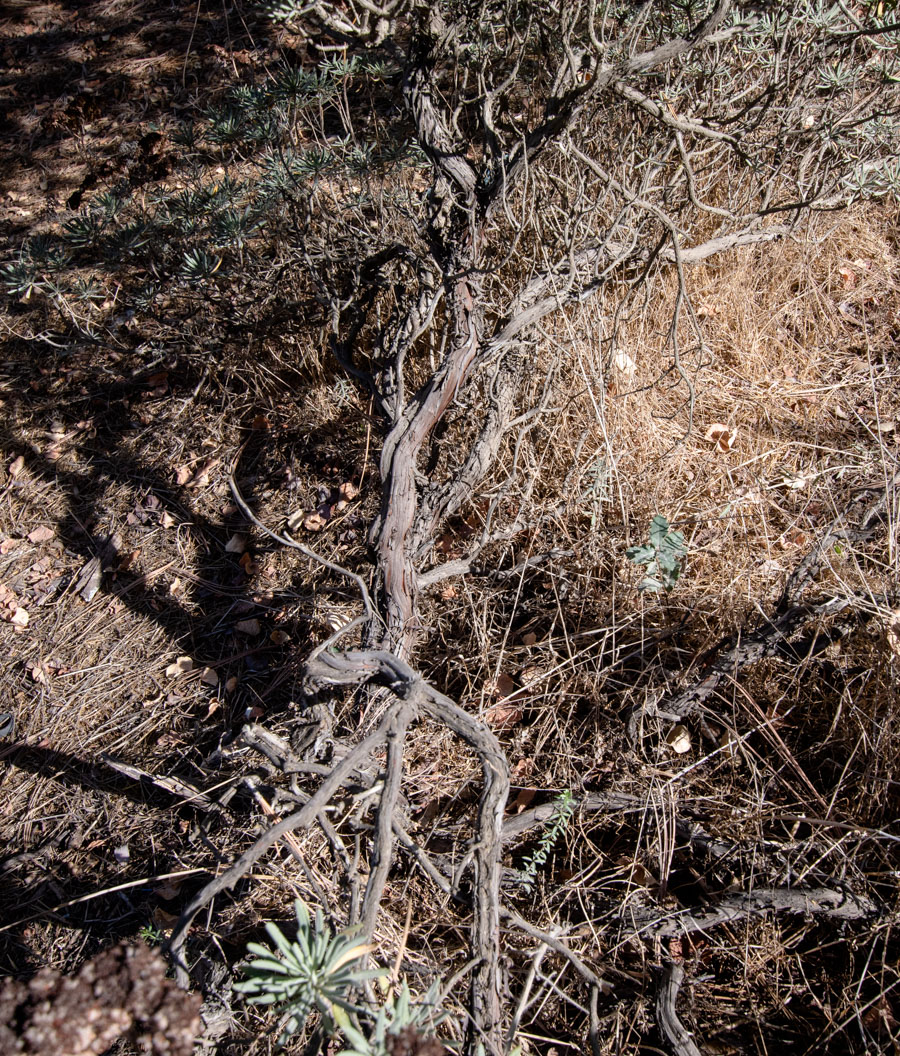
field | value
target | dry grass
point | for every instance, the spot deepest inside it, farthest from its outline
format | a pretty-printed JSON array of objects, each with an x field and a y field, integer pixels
[
  {"x": 792, "y": 776},
  {"x": 801, "y": 371},
  {"x": 800, "y": 367}
]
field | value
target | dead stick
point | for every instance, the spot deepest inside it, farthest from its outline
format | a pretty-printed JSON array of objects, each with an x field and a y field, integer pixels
[
  {"x": 384, "y": 831},
  {"x": 299, "y": 819},
  {"x": 671, "y": 1026},
  {"x": 586, "y": 973}
]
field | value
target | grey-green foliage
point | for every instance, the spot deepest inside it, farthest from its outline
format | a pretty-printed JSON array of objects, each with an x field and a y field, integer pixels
[
  {"x": 564, "y": 807},
  {"x": 398, "y": 1012},
  {"x": 315, "y": 971},
  {"x": 661, "y": 556},
  {"x": 319, "y": 971},
  {"x": 301, "y": 171},
  {"x": 216, "y": 223}
]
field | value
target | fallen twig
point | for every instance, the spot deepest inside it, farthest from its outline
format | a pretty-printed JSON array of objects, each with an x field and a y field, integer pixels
[
  {"x": 671, "y": 1026},
  {"x": 839, "y": 905},
  {"x": 299, "y": 819}
]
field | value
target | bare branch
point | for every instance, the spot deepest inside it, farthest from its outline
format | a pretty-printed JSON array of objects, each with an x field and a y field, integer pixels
[
  {"x": 380, "y": 862},
  {"x": 730, "y": 908},
  {"x": 671, "y": 1026},
  {"x": 557, "y": 944},
  {"x": 298, "y": 820},
  {"x": 432, "y": 131},
  {"x": 661, "y": 114},
  {"x": 360, "y": 665}
]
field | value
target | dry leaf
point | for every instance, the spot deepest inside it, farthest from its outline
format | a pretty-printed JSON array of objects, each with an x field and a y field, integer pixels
[
  {"x": 167, "y": 520},
  {"x": 201, "y": 477},
  {"x": 522, "y": 769},
  {"x": 636, "y": 872},
  {"x": 249, "y": 565},
  {"x": 849, "y": 277},
  {"x": 678, "y": 739},
  {"x": 127, "y": 560},
  {"x": 278, "y": 637},
  {"x": 503, "y": 716},
  {"x": 348, "y": 491},
  {"x": 208, "y": 677},
  {"x": 169, "y": 890},
  {"x": 721, "y": 436},
  {"x": 522, "y": 800},
  {"x": 195, "y": 478},
  {"x": 164, "y": 920},
  {"x": 182, "y": 666},
  {"x": 444, "y": 543},
  {"x": 529, "y": 639},
  {"x": 38, "y": 674},
  {"x": 237, "y": 544},
  {"x": 625, "y": 365},
  {"x": 41, "y": 534},
  {"x": 892, "y": 633},
  {"x": 231, "y": 684},
  {"x": 16, "y": 466},
  {"x": 176, "y": 587},
  {"x": 503, "y": 685},
  {"x": 314, "y": 522},
  {"x": 9, "y": 544},
  {"x": 214, "y": 705},
  {"x": 247, "y": 627},
  {"x": 19, "y": 618},
  {"x": 159, "y": 380}
]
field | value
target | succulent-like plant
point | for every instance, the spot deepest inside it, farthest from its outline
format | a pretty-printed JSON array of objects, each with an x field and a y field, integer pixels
[
  {"x": 318, "y": 971},
  {"x": 315, "y": 971},
  {"x": 398, "y": 1013},
  {"x": 199, "y": 264}
]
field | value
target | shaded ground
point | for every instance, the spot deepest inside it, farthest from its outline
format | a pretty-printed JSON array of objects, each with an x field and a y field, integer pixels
[{"x": 121, "y": 551}]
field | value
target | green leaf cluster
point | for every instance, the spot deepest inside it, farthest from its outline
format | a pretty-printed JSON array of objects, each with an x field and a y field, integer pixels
[
  {"x": 661, "y": 557},
  {"x": 317, "y": 972},
  {"x": 559, "y": 821},
  {"x": 398, "y": 1012}
]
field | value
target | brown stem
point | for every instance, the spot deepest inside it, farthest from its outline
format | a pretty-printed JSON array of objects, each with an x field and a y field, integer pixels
[
  {"x": 363, "y": 665},
  {"x": 394, "y": 533}
]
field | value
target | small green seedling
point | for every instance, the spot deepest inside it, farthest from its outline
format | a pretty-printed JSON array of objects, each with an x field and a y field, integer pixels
[
  {"x": 661, "y": 556},
  {"x": 563, "y": 810},
  {"x": 151, "y": 935}
]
